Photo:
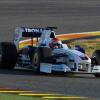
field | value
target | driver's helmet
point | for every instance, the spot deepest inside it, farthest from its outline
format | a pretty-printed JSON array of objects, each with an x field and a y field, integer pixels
[
  {"x": 56, "y": 43},
  {"x": 52, "y": 35}
]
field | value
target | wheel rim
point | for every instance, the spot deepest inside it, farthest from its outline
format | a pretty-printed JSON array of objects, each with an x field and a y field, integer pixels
[{"x": 35, "y": 61}]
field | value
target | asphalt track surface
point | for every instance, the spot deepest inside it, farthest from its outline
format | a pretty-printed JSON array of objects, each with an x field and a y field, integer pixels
[{"x": 69, "y": 16}]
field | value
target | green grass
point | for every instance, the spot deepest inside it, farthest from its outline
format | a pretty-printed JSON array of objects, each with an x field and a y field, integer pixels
[
  {"x": 15, "y": 96},
  {"x": 88, "y": 45},
  {"x": 4, "y": 96}
]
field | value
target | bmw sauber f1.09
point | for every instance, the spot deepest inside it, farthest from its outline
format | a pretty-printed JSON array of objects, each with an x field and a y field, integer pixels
[{"x": 39, "y": 49}]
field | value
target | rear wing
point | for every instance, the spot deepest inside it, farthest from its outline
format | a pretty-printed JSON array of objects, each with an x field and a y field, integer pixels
[
  {"x": 31, "y": 32},
  {"x": 27, "y": 32},
  {"x": 21, "y": 32}
]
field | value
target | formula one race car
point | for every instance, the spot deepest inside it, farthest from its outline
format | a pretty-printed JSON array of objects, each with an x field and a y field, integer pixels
[{"x": 40, "y": 50}]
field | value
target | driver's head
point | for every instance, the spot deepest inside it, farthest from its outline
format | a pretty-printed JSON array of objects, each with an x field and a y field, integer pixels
[
  {"x": 55, "y": 40},
  {"x": 57, "y": 43},
  {"x": 52, "y": 35}
]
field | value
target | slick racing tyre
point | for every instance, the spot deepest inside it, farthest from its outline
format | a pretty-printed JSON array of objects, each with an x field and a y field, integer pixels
[
  {"x": 97, "y": 75},
  {"x": 40, "y": 55},
  {"x": 96, "y": 57},
  {"x": 8, "y": 55}
]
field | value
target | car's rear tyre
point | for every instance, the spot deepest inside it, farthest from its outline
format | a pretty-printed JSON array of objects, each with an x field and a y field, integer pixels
[
  {"x": 96, "y": 56},
  {"x": 8, "y": 55}
]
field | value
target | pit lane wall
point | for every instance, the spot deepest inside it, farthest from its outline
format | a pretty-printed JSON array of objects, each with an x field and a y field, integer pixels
[{"x": 68, "y": 37}]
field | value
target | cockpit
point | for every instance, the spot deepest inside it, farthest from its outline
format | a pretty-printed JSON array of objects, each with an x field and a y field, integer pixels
[{"x": 56, "y": 45}]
